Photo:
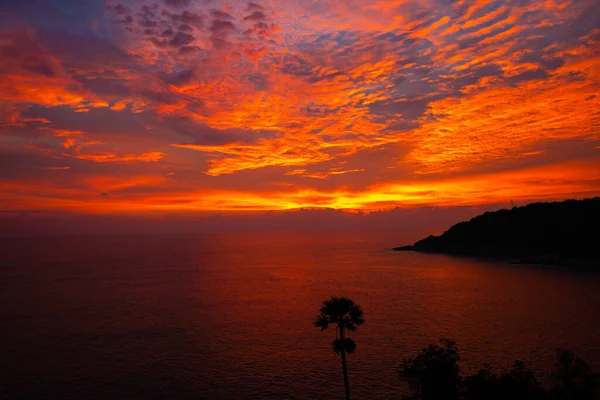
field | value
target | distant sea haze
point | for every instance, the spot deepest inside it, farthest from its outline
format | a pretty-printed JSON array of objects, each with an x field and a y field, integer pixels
[
  {"x": 230, "y": 316},
  {"x": 414, "y": 222}
]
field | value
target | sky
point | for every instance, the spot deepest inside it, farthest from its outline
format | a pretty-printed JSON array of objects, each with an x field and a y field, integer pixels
[{"x": 174, "y": 107}]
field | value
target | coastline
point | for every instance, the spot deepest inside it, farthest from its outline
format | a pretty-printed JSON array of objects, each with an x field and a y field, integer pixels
[{"x": 549, "y": 260}]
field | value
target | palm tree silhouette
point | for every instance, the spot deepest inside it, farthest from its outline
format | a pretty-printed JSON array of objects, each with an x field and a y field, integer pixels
[{"x": 346, "y": 315}]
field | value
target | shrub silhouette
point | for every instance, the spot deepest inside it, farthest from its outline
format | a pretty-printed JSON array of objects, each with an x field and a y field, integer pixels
[
  {"x": 572, "y": 378},
  {"x": 434, "y": 374},
  {"x": 517, "y": 384}
]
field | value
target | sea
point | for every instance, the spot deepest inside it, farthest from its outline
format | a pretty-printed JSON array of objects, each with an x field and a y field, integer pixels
[{"x": 230, "y": 316}]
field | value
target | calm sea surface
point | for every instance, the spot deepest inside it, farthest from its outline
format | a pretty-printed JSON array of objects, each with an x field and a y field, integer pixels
[{"x": 230, "y": 316}]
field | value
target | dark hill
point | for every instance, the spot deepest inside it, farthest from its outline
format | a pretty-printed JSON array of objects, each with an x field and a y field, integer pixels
[{"x": 565, "y": 233}]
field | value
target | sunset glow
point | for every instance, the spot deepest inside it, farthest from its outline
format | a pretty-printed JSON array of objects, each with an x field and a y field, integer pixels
[{"x": 194, "y": 105}]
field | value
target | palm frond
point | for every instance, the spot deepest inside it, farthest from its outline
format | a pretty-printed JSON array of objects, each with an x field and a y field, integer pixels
[
  {"x": 346, "y": 316},
  {"x": 346, "y": 345},
  {"x": 322, "y": 322},
  {"x": 349, "y": 346},
  {"x": 357, "y": 315},
  {"x": 343, "y": 311}
]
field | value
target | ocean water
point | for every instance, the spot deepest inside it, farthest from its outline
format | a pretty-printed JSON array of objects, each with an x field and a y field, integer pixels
[{"x": 230, "y": 316}]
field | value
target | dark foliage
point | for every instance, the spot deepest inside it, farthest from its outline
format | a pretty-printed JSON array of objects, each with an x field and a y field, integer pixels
[
  {"x": 518, "y": 384},
  {"x": 435, "y": 375},
  {"x": 572, "y": 378}
]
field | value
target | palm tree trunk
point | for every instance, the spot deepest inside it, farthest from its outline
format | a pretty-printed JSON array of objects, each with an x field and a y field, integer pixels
[{"x": 346, "y": 383}]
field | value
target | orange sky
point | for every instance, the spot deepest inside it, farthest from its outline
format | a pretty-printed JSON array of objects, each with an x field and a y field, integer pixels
[{"x": 196, "y": 105}]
